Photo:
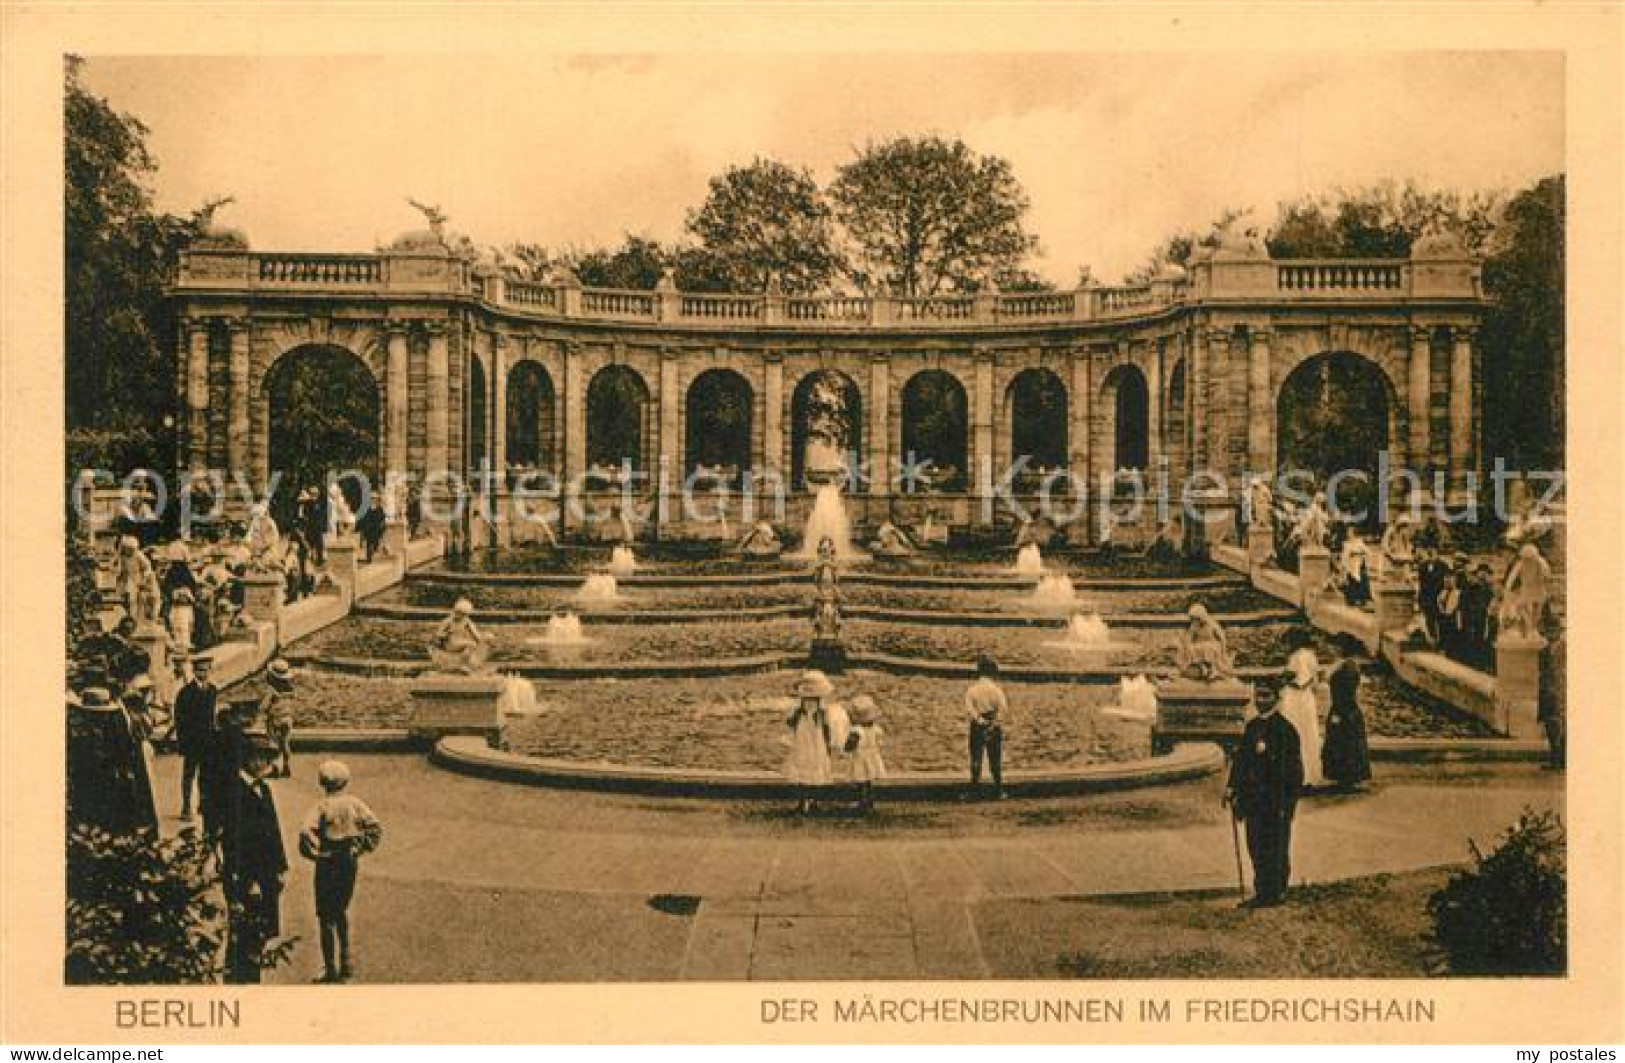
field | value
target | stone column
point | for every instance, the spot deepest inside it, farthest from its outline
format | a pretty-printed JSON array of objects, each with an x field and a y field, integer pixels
[
  {"x": 197, "y": 394},
  {"x": 879, "y": 425},
  {"x": 672, "y": 463},
  {"x": 1418, "y": 397},
  {"x": 1461, "y": 406},
  {"x": 499, "y": 408},
  {"x": 1196, "y": 385},
  {"x": 575, "y": 433},
  {"x": 237, "y": 427},
  {"x": 1153, "y": 410},
  {"x": 1225, "y": 450},
  {"x": 1260, "y": 408},
  {"x": 981, "y": 416},
  {"x": 773, "y": 414},
  {"x": 438, "y": 436},
  {"x": 396, "y": 402},
  {"x": 1081, "y": 405}
]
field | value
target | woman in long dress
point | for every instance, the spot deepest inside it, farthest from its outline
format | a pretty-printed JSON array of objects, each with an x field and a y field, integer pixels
[
  {"x": 1301, "y": 707},
  {"x": 807, "y": 766},
  {"x": 1346, "y": 758}
]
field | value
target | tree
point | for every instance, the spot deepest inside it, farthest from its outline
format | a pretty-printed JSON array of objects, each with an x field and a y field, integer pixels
[
  {"x": 1380, "y": 221},
  {"x": 1178, "y": 249},
  {"x": 118, "y": 327},
  {"x": 928, "y": 214},
  {"x": 767, "y": 221},
  {"x": 1522, "y": 339}
]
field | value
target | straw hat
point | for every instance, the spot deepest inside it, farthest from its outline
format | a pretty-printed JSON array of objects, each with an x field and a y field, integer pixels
[
  {"x": 333, "y": 774},
  {"x": 1197, "y": 611},
  {"x": 814, "y": 684},
  {"x": 463, "y": 607},
  {"x": 280, "y": 675},
  {"x": 862, "y": 710}
]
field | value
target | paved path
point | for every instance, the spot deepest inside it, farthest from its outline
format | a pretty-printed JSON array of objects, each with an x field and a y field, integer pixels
[{"x": 485, "y": 881}]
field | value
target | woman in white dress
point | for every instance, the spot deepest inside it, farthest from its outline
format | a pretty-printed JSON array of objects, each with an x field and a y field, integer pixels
[
  {"x": 807, "y": 766},
  {"x": 1300, "y": 704}
]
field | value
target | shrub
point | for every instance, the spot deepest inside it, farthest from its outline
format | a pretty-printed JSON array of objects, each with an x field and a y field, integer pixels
[
  {"x": 1508, "y": 913},
  {"x": 145, "y": 910}
]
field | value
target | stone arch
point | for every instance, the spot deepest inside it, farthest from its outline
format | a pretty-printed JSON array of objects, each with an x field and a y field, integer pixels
[
  {"x": 1335, "y": 411},
  {"x": 935, "y": 411},
  {"x": 826, "y": 415},
  {"x": 1125, "y": 421},
  {"x": 1036, "y": 418},
  {"x": 532, "y": 416},
  {"x": 323, "y": 414},
  {"x": 718, "y": 411},
  {"x": 619, "y": 411}
]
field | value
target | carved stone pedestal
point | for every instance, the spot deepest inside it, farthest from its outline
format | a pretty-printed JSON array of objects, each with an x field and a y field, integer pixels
[
  {"x": 396, "y": 533},
  {"x": 1396, "y": 606},
  {"x": 341, "y": 559},
  {"x": 1191, "y": 710},
  {"x": 262, "y": 595},
  {"x": 456, "y": 705},
  {"x": 1314, "y": 569},
  {"x": 1517, "y": 683},
  {"x": 1260, "y": 544}
]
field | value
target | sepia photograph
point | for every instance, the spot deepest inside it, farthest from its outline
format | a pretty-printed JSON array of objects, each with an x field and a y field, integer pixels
[{"x": 939, "y": 518}]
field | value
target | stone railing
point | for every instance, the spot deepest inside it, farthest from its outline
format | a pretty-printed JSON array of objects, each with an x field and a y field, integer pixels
[
  {"x": 1036, "y": 306},
  {"x": 839, "y": 309},
  {"x": 530, "y": 295},
  {"x": 338, "y": 270},
  {"x": 619, "y": 304},
  {"x": 720, "y": 307},
  {"x": 1343, "y": 278},
  {"x": 226, "y": 270}
]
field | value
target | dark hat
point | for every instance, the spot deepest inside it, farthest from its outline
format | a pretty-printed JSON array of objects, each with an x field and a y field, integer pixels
[
  {"x": 279, "y": 673},
  {"x": 1349, "y": 646}
]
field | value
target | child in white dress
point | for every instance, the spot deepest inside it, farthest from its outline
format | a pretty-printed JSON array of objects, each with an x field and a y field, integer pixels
[{"x": 867, "y": 763}]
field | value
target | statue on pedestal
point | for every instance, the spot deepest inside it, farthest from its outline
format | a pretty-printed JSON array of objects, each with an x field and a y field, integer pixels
[
  {"x": 1261, "y": 504},
  {"x": 828, "y": 652},
  {"x": 1204, "y": 648},
  {"x": 265, "y": 552},
  {"x": 340, "y": 517},
  {"x": 458, "y": 647},
  {"x": 1398, "y": 550},
  {"x": 1312, "y": 526},
  {"x": 1528, "y": 590}
]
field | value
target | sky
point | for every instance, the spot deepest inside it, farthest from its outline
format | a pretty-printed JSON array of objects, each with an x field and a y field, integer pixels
[{"x": 1116, "y": 150}]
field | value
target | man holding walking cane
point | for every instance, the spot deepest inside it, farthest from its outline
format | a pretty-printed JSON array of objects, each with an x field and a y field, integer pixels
[{"x": 1265, "y": 778}]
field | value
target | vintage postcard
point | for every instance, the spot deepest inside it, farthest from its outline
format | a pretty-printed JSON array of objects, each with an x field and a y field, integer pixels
[{"x": 1081, "y": 523}]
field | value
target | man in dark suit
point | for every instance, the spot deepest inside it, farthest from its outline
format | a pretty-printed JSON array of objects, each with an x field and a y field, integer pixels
[
  {"x": 1431, "y": 573},
  {"x": 224, "y": 757},
  {"x": 194, "y": 730},
  {"x": 255, "y": 861},
  {"x": 1265, "y": 778}
]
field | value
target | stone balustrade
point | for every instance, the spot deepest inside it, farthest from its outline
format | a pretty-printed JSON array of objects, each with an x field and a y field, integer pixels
[
  {"x": 1342, "y": 278},
  {"x": 1326, "y": 281}
]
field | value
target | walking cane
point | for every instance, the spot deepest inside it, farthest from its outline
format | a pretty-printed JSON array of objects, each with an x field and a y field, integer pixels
[
  {"x": 1235, "y": 832},
  {"x": 1235, "y": 839}
]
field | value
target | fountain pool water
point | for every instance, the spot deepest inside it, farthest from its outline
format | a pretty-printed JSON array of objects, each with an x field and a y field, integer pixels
[
  {"x": 622, "y": 562},
  {"x": 599, "y": 588},
  {"x": 828, "y": 519},
  {"x": 563, "y": 629},
  {"x": 1086, "y": 631},
  {"x": 1029, "y": 562},
  {"x": 1136, "y": 699},
  {"x": 518, "y": 697},
  {"x": 1054, "y": 590}
]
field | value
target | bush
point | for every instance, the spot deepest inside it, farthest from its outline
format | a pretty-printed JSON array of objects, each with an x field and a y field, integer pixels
[
  {"x": 146, "y": 910},
  {"x": 1508, "y": 913}
]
